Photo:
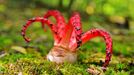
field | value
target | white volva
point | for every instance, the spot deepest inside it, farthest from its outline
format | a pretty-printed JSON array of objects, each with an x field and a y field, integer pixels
[{"x": 61, "y": 55}]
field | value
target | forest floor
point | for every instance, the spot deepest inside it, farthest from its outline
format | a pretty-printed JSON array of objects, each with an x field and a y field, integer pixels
[{"x": 18, "y": 57}]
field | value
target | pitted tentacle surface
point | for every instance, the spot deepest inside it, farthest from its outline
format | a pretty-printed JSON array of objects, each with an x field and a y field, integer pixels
[
  {"x": 43, "y": 21},
  {"x": 77, "y": 31},
  {"x": 100, "y": 33},
  {"x": 60, "y": 22}
]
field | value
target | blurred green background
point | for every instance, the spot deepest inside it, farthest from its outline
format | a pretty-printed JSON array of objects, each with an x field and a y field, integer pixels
[{"x": 114, "y": 16}]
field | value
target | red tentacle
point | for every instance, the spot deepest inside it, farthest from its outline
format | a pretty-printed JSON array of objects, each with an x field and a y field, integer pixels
[
  {"x": 67, "y": 34},
  {"x": 75, "y": 40},
  {"x": 96, "y": 32},
  {"x": 60, "y": 22},
  {"x": 43, "y": 21}
]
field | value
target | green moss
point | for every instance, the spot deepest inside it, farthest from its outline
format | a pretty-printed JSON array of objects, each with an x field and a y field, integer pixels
[
  {"x": 32, "y": 64},
  {"x": 40, "y": 66},
  {"x": 113, "y": 72},
  {"x": 13, "y": 57},
  {"x": 2, "y": 68}
]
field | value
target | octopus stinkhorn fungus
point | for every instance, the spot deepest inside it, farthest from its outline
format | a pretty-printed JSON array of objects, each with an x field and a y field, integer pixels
[{"x": 68, "y": 37}]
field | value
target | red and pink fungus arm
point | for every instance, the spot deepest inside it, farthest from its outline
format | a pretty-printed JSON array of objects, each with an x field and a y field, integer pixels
[{"x": 68, "y": 37}]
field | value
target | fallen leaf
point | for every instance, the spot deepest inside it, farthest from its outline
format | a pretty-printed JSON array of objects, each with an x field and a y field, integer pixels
[{"x": 19, "y": 49}]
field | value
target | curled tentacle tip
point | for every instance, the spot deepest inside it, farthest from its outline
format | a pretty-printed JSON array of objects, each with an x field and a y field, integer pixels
[
  {"x": 22, "y": 33},
  {"x": 103, "y": 68},
  {"x": 27, "y": 40}
]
